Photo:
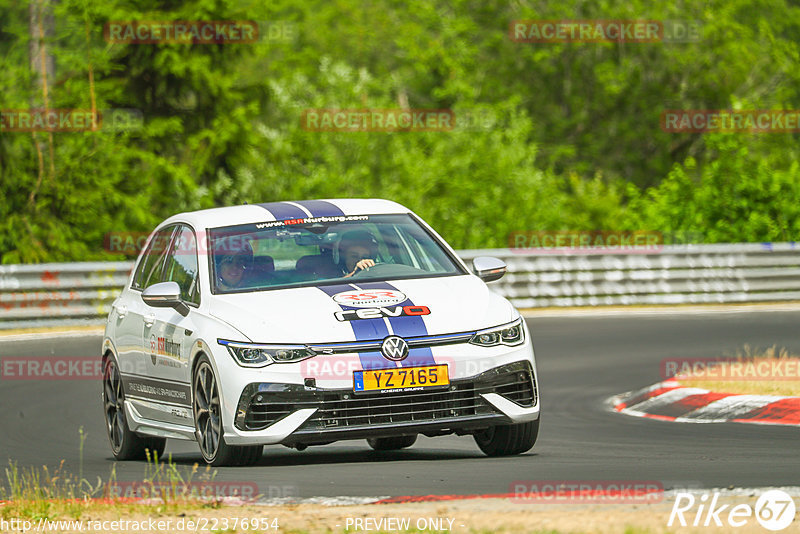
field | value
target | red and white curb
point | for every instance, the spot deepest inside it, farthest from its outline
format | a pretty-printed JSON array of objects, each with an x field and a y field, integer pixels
[
  {"x": 670, "y": 401},
  {"x": 588, "y": 496},
  {"x": 585, "y": 495}
]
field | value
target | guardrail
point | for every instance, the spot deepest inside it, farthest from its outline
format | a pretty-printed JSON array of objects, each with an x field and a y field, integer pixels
[
  {"x": 74, "y": 293},
  {"x": 680, "y": 274},
  {"x": 59, "y": 293}
]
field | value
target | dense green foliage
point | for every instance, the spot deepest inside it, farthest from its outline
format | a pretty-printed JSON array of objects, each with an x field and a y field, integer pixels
[{"x": 562, "y": 136}]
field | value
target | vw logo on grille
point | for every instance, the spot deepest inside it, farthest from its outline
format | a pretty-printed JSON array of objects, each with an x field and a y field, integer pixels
[{"x": 394, "y": 348}]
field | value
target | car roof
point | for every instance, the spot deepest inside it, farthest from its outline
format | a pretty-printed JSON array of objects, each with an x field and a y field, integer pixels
[{"x": 273, "y": 211}]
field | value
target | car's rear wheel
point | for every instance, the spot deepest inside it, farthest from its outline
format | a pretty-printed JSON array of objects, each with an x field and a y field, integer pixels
[
  {"x": 125, "y": 445},
  {"x": 393, "y": 443},
  {"x": 208, "y": 422},
  {"x": 505, "y": 440}
]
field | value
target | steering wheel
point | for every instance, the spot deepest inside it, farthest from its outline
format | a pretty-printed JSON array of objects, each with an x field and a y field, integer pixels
[{"x": 378, "y": 266}]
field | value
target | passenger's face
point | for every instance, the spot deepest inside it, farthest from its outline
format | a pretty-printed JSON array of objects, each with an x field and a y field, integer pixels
[
  {"x": 354, "y": 254},
  {"x": 232, "y": 271}
]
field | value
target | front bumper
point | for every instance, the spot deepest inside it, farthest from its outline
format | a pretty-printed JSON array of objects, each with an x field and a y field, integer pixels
[{"x": 270, "y": 413}]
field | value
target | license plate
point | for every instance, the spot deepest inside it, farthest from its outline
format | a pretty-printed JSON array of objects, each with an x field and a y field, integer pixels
[{"x": 401, "y": 379}]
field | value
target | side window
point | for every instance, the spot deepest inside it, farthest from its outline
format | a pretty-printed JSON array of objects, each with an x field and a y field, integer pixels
[
  {"x": 151, "y": 265},
  {"x": 181, "y": 265}
]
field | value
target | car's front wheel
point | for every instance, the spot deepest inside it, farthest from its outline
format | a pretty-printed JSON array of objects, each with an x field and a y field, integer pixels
[
  {"x": 125, "y": 445},
  {"x": 505, "y": 440},
  {"x": 393, "y": 443},
  {"x": 208, "y": 422}
]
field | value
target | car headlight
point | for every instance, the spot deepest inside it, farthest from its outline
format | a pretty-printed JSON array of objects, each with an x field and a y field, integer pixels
[
  {"x": 260, "y": 355},
  {"x": 508, "y": 334}
]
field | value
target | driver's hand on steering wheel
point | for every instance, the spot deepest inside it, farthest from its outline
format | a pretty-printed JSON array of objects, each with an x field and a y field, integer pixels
[{"x": 364, "y": 264}]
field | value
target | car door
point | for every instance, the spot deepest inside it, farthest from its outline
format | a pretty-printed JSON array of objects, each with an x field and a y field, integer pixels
[
  {"x": 131, "y": 311},
  {"x": 168, "y": 335}
]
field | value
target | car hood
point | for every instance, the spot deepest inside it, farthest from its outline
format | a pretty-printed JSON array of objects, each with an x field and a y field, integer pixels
[{"x": 307, "y": 315}]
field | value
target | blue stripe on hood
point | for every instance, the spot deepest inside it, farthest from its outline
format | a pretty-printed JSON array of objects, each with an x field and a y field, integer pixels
[
  {"x": 406, "y": 326},
  {"x": 364, "y": 330}
]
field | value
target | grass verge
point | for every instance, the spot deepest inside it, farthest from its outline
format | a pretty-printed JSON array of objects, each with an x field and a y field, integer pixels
[{"x": 772, "y": 371}]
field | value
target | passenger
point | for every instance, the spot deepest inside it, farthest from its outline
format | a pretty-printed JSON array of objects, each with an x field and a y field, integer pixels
[
  {"x": 231, "y": 271},
  {"x": 232, "y": 265}
]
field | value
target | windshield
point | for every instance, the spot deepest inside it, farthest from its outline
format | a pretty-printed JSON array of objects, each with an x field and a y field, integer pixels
[{"x": 302, "y": 252}]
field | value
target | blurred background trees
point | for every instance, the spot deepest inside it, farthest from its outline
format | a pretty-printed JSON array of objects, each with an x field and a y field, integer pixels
[{"x": 549, "y": 136}]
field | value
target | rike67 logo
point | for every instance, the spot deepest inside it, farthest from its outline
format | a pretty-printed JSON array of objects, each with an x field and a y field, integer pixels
[{"x": 774, "y": 510}]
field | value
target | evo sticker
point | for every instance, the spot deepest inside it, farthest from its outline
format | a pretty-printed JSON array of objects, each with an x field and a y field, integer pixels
[
  {"x": 406, "y": 326},
  {"x": 377, "y": 313},
  {"x": 366, "y": 330}
]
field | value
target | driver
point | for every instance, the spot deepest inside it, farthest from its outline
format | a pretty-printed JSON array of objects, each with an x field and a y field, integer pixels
[{"x": 357, "y": 251}]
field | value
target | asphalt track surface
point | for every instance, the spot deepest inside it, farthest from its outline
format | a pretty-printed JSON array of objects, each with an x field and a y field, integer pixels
[{"x": 582, "y": 361}]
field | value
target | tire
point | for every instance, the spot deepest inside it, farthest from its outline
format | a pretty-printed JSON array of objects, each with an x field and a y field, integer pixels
[
  {"x": 505, "y": 440},
  {"x": 393, "y": 443},
  {"x": 208, "y": 422},
  {"x": 125, "y": 445}
]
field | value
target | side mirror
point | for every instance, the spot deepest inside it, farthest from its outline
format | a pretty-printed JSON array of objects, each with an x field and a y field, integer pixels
[
  {"x": 165, "y": 295},
  {"x": 488, "y": 269}
]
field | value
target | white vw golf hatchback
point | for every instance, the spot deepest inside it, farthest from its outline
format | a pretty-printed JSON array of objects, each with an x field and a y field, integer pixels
[{"x": 303, "y": 323}]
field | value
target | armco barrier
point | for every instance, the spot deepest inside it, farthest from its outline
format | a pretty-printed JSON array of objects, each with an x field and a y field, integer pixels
[
  {"x": 59, "y": 293},
  {"x": 681, "y": 274},
  {"x": 70, "y": 293}
]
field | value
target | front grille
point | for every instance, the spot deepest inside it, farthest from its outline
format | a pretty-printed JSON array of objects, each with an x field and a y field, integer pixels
[
  {"x": 263, "y": 404},
  {"x": 516, "y": 386},
  {"x": 370, "y": 409},
  {"x": 262, "y": 414}
]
